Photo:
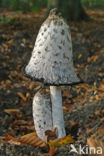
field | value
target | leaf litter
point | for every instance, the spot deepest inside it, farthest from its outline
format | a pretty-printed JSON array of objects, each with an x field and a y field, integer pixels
[{"x": 83, "y": 104}]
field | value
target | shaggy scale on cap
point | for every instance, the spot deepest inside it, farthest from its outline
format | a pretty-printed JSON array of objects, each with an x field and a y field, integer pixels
[{"x": 51, "y": 60}]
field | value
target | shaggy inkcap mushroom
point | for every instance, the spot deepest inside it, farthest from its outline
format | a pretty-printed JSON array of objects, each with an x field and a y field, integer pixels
[
  {"x": 51, "y": 62},
  {"x": 42, "y": 113}
]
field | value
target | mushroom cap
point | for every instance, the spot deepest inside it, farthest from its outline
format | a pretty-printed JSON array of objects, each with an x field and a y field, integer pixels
[{"x": 51, "y": 60}]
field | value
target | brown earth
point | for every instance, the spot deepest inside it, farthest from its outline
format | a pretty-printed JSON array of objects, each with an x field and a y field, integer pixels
[{"x": 83, "y": 104}]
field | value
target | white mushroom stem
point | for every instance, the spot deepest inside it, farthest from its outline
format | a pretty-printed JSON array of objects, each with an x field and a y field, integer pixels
[{"x": 57, "y": 111}]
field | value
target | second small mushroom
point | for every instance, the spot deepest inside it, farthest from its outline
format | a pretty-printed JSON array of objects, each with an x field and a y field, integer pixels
[{"x": 52, "y": 63}]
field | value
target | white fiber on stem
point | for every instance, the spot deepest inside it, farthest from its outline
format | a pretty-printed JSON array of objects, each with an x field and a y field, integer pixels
[{"x": 57, "y": 111}]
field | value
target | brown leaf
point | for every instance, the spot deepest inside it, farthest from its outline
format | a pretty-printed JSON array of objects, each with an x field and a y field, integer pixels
[
  {"x": 32, "y": 139},
  {"x": 37, "y": 88},
  {"x": 68, "y": 107},
  {"x": 67, "y": 101},
  {"x": 19, "y": 122},
  {"x": 59, "y": 142},
  {"x": 95, "y": 58},
  {"x": 72, "y": 123},
  {"x": 51, "y": 151},
  {"x": 20, "y": 94},
  {"x": 101, "y": 89},
  {"x": 96, "y": 140},
  {"x": 28, "y": 95},
  {"x": 24, "y": 103},
  {"x": 47, "y": 90},
  {"x": 1, "y": 139},
  {"x": 14, "y": 112},
  {"x": 12, "y": 140},
  {"x": 101, "y": 86},
  {"x": 11, "y": 130},
  {"x": 66, "y": 93},
  {"x": 97, "y": 112},
  {"x": 79, "y": 56},
  {"x": 89, "y": 59},
  {"x": 31, "y": 86}
]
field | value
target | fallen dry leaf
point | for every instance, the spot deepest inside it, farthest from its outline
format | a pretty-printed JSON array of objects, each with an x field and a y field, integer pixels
[
  {"x": 101, "y": 86},
  {"x": 95, "y": 58},
  {"x": 23, "y": 103},
  {"x": 47, "y": 90},
  {"x": 79, "y": 56},
  {"x": 61, "y": 141},
  {"x": 66, "y": 93},
  {"x": 1, "y": 139},
  {"x": 28, "y": 95},
  {"x": 97, "y": 140},
  {"x": 20, "y": 94},
  {"x": 12, "y": 140},
  {"x": 14, "y": 112},
  {"x": 68, "y": 107},
  {"x": 19, "y": 122},
  {"x": 89, "y": 59},
  {"x": 37, "y": 88},
  {"x": 51, "y": 151},
  {"x": 32, "y": 84},
  {"x": 32, "y": 139}
]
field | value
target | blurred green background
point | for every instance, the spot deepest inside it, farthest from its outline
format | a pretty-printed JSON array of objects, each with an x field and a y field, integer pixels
[{"x": 36, "y": 5}]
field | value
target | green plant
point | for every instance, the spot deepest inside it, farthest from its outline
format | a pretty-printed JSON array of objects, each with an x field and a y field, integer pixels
[
  {"x": 5, "y": 19},
  {"x": 93, "y": 3}
]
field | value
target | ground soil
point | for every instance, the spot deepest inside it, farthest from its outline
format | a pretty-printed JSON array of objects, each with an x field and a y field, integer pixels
[{"x": 83, "y": 104}]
